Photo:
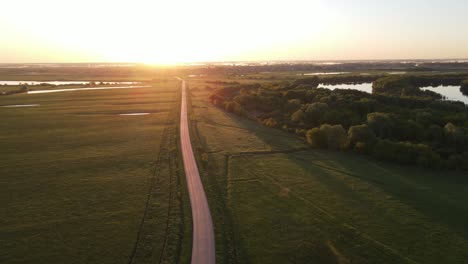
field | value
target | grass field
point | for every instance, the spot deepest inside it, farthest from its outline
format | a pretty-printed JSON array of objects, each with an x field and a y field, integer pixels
[
  {"x": 84, "y": 184},
  {"x": 77, "y": 178},
  {"x": 274, "y": 202}
]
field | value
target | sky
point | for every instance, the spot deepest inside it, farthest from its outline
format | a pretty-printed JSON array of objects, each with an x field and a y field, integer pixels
[{"x": 175, "y": 31}]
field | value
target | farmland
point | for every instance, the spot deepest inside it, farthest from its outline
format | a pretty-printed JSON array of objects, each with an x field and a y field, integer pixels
[
  {"x": 274, "y": 200},
  {"x": 85, "y": 180},
  {"x": 96, "y": 176}
]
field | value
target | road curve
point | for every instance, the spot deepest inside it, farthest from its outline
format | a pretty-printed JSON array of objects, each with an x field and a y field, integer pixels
[{"x": 203, "y": 243}]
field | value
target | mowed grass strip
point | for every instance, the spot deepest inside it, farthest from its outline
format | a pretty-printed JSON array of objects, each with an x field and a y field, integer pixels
[{"x": 75, "y": 174}]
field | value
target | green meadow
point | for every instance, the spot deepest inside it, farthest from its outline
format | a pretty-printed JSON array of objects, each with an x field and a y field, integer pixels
[
  {"x": 274, "y": 200},
  {"x": 77, "y": 177},
  {"x": 85, "y": 182}
]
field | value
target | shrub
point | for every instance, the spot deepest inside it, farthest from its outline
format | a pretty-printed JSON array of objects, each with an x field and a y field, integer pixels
[
  {"x": 333, "y": 137},
  {"x": 270, "y": 122},
  {"x": 234, "y": 107},
  {"x": 298, "y": 116},
  {"x": 361, "y": 133},
  {"x": 406, "y": 153},
  {"x": 316, "y": 138},
  {"x": 336, "y": 136},
  {"x": 292, "y": 105},
  {"x": 315, "y": 112},
  {"x": 361, "y": 147},
  {"x": 381, "y": 123}
]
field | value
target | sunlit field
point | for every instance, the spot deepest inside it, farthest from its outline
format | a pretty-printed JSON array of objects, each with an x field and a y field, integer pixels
[
  {"x": 275, "y": 200},
  {"x": 233, "y": 132},
  {"x": 75, "y": 171}
]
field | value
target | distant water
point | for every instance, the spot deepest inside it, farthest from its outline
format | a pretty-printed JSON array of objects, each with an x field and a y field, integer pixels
[
  {"x": 364, "y": 87},
  {"x": 20, "y": 105},
  {"x": 397, "y": 72},
  {"x": 57, "y": 82},
  {"x": 134, "y": 114},
  {"x": 84, "y": 89},
  {"x": 449, "y": 92},
  {"x": 322, "y": 73}
]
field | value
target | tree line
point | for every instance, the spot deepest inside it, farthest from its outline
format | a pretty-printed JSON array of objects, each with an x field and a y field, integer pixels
[
  {"x": 406, "y": 127},
  {"x": 464, "y": 87}
]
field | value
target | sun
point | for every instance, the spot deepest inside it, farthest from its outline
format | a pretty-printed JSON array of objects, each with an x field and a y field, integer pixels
[{"x": 159, "y": 32}]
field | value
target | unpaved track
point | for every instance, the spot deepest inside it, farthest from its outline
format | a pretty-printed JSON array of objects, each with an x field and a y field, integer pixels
[{"x": 203, "y": 243}]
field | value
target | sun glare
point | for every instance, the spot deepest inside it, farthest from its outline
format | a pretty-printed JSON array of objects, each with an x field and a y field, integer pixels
[{"x": 160, "y": 32}]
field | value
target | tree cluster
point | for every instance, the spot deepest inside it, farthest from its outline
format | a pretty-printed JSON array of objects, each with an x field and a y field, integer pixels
[
  {"x": 405, "y": 129},
  {"x": 401, "y": 86},
  {"x": 464, "y": 87}
]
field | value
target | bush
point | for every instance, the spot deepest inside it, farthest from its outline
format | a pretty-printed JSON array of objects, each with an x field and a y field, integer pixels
[
  {"x": 292, "y": 105},
  {"x": 361, "y": 147},
  {"x": 298, "y": 116},
  {"x": 361, "y": 133},
  {"x": 406, "y": 153},
  {"x": 434, "y": 134},
  {"x": 301, "y": 132},
  {"x": 458, "y": 161},
  {"x": 270, "y": 122},
  {"x": 315, "y": 112},
  {"x": 295, "y": 94},
  {"x": 235, "y": 108},
  {"x": 454, "y": 135},
  {"x": 316, "y": 138},
  {"x": 258, "y": 103},
  {"x": 381, "y": 123},
  {"x": 225, "y": 93},
  {"x": 333, "y": 137},
  {"x": 336, "y": 136}
]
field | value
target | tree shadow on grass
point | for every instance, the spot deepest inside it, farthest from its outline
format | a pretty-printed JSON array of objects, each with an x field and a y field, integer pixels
[{"x": 438, "y": 196}]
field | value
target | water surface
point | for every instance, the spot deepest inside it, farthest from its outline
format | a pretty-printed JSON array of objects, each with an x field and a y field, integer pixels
[
  {"x": 59, "y": 82},
  {"x": 450, "y": 92},
  {"x": 364, "y": 87},
  {"x": 20, "y": 105},
  {"x": 84, "y": 89},
  {"x": 323, "y": 73},
  {"x": 134, "y": 114}
]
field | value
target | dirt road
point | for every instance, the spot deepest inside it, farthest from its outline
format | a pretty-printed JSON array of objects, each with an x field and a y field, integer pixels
[{"x": 203, "y": 244}]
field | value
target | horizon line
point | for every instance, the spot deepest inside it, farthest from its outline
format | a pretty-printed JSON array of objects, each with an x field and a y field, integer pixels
[{"x": 244, "y": 61}]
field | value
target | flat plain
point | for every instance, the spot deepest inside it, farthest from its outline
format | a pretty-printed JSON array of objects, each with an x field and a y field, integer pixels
[
  {"x": 79, "y": 171},
  {"x": 274, "y": 200},
  {"x": 96, "y": 177}
]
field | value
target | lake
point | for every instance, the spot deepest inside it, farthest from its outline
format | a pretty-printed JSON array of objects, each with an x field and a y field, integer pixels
[
  {"x": 364, "y": 87},
  {"x": 449, "y": 92},
  {"x": 323, "y": 73},
  {"x": 57, "y": 82},
  {"x": 85, "y": 89}
]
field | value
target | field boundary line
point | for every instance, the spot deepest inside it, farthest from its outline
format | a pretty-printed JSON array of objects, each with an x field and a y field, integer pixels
[
  {"x": 164, "y": 155},
  {"x": 333, "y": 218}
]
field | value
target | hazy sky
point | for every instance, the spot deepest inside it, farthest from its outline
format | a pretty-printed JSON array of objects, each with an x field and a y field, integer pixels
[{"x": 177, "y": 31}]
